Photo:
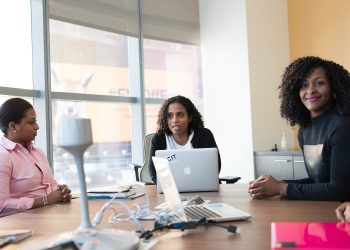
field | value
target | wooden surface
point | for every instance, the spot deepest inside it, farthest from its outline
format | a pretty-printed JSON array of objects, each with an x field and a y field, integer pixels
[{"x": 255, "y": 233}]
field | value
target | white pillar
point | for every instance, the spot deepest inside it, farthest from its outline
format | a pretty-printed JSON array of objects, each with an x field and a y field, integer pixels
[
  {"x": 226, "y": 90},
  {"x": 244, "y": 51}
]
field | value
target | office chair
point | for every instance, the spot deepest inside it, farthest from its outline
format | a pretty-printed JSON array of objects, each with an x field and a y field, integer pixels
[{"x": 143, "y": 174}]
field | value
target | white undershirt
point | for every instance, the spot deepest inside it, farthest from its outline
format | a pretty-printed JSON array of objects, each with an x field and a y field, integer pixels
[{"x": 172, "y": 144}]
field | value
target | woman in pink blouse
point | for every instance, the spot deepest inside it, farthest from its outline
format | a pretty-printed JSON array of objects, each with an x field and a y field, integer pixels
[{"x": 26, "y": 180}]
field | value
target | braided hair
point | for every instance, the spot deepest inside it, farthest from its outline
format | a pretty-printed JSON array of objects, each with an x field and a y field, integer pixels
[
  {"x": 296, "y": 73},
  {"x": 162, "y": 123}
]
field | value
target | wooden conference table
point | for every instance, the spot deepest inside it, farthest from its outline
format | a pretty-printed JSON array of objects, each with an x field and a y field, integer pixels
[{"x": 255, "y": 232}]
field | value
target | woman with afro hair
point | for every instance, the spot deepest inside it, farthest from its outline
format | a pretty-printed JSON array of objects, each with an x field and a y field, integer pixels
[
  {"x": 179, "y": 126},
  {"x": 315, "y": 94}
]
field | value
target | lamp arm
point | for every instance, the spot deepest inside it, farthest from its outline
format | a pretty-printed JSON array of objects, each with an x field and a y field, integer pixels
[{"x": 85, "y": 219}]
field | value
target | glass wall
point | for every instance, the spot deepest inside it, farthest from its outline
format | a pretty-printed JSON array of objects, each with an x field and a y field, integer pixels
[
  {"x": 170, "y": 69},
  {"x": 86, "y": 60},
  {"x": 16, "y": 45},
  {"x": 101, "y": 68},
  {"x": 107, "y": 160}
]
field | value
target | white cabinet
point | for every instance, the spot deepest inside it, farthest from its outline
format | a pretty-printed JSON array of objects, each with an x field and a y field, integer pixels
[
  {"x": 299, "y": 168},
  {"x": 284, "y": 165}
]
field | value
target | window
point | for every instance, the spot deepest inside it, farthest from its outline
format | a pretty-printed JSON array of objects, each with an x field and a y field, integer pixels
[
  {"x": 96, "y": 73},
  {"x": 16, "y": 46},
  {"x": 152, "y": 111},
  {"x": 170, "y": 69},
  {"x": 107, "y": 160},
  {"x": 87, "y": 60},
  {"x": 90, "y": 61}
]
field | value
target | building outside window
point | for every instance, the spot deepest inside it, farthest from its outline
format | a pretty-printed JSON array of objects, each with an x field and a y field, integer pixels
[
  {"x": 16, "y": 45},
  {"x": 92, "y": 69}
]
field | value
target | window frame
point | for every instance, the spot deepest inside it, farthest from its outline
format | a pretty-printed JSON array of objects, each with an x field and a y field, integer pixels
[{"x": 43, "y": 96}]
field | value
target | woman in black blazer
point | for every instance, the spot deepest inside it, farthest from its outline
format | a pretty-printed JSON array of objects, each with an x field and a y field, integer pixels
[{"x": 179, "y": 126}]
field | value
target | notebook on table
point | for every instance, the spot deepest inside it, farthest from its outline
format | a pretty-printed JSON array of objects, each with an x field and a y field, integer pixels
[
  {"x": 212, "y": 212},
  {"x": 194, "y": 170},
  {"x": 310, "y": 235},
  {"x": 13, "y": 236}
]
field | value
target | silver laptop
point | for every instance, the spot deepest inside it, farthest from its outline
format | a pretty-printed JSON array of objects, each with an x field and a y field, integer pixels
[
  {"x": 212, "y": 212},
  {"x": 194, "y": 170}
]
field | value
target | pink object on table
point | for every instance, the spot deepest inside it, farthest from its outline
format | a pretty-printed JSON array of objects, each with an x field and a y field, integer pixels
[{"x": 310, "y": 235}]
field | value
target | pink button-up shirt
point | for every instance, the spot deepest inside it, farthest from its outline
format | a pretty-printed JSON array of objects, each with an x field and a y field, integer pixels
[{"x": 25, "y": 174}]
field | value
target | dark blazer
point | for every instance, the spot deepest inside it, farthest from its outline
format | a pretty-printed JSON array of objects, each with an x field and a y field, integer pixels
[{"x": 202, "y": 138}]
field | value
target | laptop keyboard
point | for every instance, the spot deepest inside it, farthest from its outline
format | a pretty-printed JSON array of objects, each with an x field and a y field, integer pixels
[{"x": 198, "y": 212}]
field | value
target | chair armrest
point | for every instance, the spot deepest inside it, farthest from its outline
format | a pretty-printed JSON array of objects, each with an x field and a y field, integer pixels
[
  {"x": 230, "y": 179},
  {"x": 136, "y": 168},
  {"x": 149, "y": 183}
]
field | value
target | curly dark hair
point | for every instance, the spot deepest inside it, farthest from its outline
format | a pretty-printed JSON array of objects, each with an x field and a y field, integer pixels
[
  {"x": 162, "y": 123},
  {"x": 296, "y": 73}
]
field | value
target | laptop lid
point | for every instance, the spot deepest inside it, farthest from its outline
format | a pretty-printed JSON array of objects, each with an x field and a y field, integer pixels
[
  {"x": 166, "y": 180},
  {"x": 194, "y": 170},
  {"x": 224, "y": 211}
]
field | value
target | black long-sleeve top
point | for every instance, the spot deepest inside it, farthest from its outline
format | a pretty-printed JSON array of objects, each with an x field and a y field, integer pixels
[
  {"x": 325, "y": 143},
  {"x": 202, "y": 138}
]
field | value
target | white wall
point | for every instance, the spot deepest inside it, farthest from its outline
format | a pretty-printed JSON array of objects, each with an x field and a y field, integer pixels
[
  {"x": 226, "y": 86},
  {"x": 268, "y": 45},
  {"x": 244, "y": 51}
]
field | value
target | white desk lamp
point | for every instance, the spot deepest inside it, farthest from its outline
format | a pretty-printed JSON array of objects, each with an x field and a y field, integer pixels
[{"x": 74, "y": 135}]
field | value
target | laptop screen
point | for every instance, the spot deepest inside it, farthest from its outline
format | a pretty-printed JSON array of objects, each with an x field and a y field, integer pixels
[{"x": 193, "y": 169}]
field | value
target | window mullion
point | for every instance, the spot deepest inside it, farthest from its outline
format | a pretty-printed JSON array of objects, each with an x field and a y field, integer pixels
[{"x": 41, "y": 75}]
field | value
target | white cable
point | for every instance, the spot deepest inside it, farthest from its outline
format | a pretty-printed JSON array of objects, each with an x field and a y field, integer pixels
[
  {"x": 99, "y": 215},
  {"x": 143, "y": 208},
  {"x": 138, "y": 211}
]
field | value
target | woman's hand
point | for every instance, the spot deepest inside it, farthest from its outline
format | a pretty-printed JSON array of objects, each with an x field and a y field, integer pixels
[
  {"x": 343, "y": 212},
  {"x": 266, "y": 186},
  {"x": 65, "y": 191},
  {"x": 62, "y": 194}
]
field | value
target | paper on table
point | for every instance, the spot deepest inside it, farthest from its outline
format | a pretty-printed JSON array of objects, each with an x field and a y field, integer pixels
[
  {"x": 111, "y": 189},
  {"x": 14, "y": 235},
  {"x": 128, "y": 195}
]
